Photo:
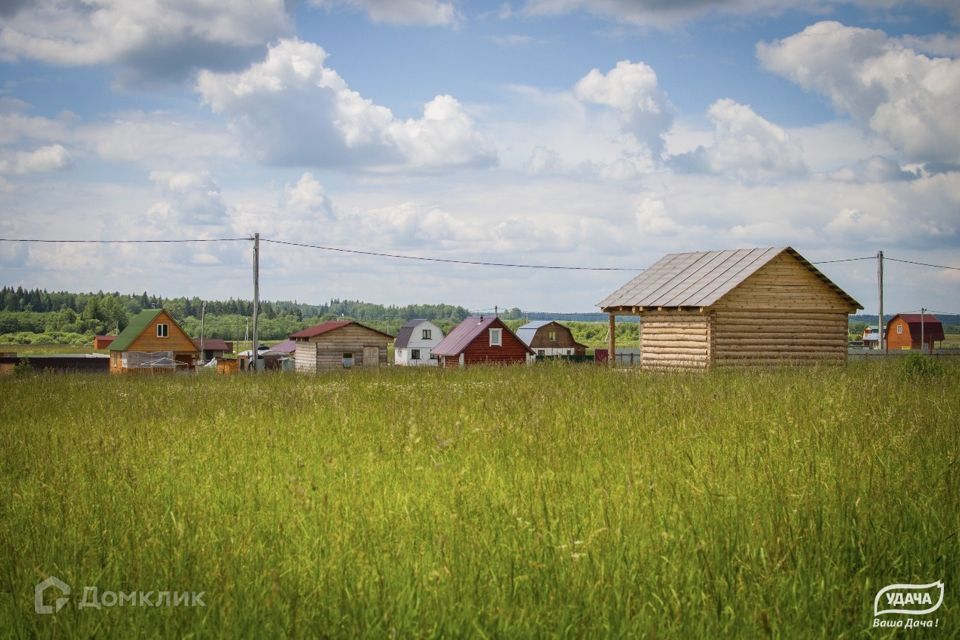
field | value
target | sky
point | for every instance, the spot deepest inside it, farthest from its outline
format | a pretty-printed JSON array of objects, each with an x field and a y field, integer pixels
[{"x": 597, "y": 133}]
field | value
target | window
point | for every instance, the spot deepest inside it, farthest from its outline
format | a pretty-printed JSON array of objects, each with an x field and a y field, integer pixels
[
  {"x": 496, "y": 337},
  {"x": 415, "y": 354},
  {"x": 162, "y": 330},
  {"x": 541, "y": 352},
  {"x": 347, "y": 360},
  {"x": 553, "y": 336},
  {"x": 427, "y": 333},
  {"x": 899, "y": 329}
]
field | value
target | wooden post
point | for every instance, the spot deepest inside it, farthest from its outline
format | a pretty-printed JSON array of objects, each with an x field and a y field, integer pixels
[{"x": 612, "y": 342}]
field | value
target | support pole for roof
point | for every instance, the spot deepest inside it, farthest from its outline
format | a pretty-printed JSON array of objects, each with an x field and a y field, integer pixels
[
  {"x": 256, "y": 297},
  {"x": 612, "y": 341}
]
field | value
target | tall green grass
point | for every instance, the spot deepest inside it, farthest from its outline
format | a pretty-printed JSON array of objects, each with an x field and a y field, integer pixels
[{"x": 565, "y": 501}]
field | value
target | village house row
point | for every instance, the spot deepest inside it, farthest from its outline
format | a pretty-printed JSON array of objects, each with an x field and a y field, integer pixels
[{"x": 762, "y": 306}]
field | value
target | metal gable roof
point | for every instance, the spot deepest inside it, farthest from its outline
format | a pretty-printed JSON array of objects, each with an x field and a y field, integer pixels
[
  {"x": 134, "y": 328},
  {"x": 464, "y": 333},
  {"x": 527, "y": 332},
  {"x": 406, "y": 332},
  {"x": 700, "y": 279}
]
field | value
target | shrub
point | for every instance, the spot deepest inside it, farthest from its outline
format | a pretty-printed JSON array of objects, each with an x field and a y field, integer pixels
[{"x": 918, "y": 366}]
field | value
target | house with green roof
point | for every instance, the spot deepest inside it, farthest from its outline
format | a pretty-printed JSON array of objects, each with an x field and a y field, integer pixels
[{"x": 152, "y": 341}]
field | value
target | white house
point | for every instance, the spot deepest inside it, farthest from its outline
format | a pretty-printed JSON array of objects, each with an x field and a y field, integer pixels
[{"x": 415, "y": 342}]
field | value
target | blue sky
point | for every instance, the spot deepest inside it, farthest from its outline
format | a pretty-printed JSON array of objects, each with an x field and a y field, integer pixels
[{"x": 601, "y": 133}]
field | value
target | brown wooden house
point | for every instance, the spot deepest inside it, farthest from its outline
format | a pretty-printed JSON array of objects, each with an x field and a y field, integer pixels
[
  {"x": 479, "y": 340},
  {"x": 549, "y": 338},
  {"x": 913, "y": 331},
  {"x": 153, "y": 341},
  {"x": 741, "y": 307},
  {"x": 339, "y": 344}
]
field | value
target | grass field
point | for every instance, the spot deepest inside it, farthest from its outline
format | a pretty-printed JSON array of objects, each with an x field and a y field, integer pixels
[{"x": 568, "y": 501}]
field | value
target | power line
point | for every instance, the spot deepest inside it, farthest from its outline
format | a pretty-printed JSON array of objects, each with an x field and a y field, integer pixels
[
  {"x": 448, "y": 260},
  {"x": 843, "y": 260},
  {"x": 47, "y": 241},
  {"x": 924, "y": 264}
]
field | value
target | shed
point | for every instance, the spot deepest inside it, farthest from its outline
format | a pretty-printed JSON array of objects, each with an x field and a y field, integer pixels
[
  {"x": 152, "y": 341},
  {"x": 339, "y": 344},
  {"x": 213, "y": 348},
  {"x": 415, "y": 343},
  {"x": 549, "y": 338},
  {"x": 479, "y": 340},
  {"x": 913, "y": 331},
  {"x": 764, "y": 306}
]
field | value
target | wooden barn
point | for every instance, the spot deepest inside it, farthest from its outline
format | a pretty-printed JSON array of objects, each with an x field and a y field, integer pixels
[
  {"x": 153, "y": 341},
  {"x": 913, "y": 331},
  {"x": 740, "y": 307},
  {"x": 479, "y": 340},
  {"x": 339, "y": 344},
  {"x": 415, "y": 343},
  {"x": 549, "y": 338}
]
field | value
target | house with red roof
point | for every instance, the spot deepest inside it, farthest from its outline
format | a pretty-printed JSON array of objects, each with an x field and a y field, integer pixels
[
  {"x": 913, "y": 331},
  {"x": 479, "y": 340},
  {"x": 339, "y": 344}
]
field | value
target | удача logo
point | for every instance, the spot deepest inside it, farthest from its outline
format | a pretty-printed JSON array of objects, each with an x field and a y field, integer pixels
[{"x": 909, "y": 599}]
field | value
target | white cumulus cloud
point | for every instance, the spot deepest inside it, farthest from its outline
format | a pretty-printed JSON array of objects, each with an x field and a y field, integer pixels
[
  {"x": 159, "y": 38},
  {"x": 400, "y": 12},
  {"x": 908, "y": 98},
  {"x": 293, "y": 110},
  {"x": 745, "y": 146},
  {"x": 52, "y": 157},
  {"x": 631, "y": 89}
]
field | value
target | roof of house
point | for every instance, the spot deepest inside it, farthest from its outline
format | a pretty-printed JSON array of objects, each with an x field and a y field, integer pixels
[
  {"x": 701, "y": 278},
  {"x": 105, "y": 337},
  {"x": 529, "y": 330},
  {"x": 406, "y": 332},
  {"x": 464, "y": 333},
  {"x": 134, "y": 328},
  {"x": 331, "y": 325},
  {"x": 287, "y": 346},
  {"x": 212, "y": 344},
  {"x": 931, "y": 328}
]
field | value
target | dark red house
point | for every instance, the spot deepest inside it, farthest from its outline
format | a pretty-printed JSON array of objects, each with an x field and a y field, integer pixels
[
  {"x": 103, "y": 342},
  {"x": 479, "y": 340},
  {"x": 908, "y": 330}
]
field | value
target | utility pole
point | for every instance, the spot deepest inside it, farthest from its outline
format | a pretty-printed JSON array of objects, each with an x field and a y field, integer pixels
[
  {"x": 203, "y": 310},
  {"x": 256, "y": 298},
  {"x": 880, "y": 327},
  {"x": 923, "y": 343}
]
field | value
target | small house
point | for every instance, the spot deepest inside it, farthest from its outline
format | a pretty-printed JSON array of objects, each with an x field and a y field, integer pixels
[
  {"x": 152, "y": 341},
  {"x": 766, "y": 306},
  {"x": 549, "y": 338},
  {"x": 340, "y": 344},
  {"x": 913, "y": 331},
  {"x": 103, "y": 342},
  {"x": 479, "y": 340},
  {"x": 415, "y": 343},
  {"x": 213, "y": 348}
]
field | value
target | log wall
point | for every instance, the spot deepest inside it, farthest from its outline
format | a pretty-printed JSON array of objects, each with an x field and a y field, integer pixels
[
  {"x": 777, "y": 337},
  {"x": 674, "y": 339}
]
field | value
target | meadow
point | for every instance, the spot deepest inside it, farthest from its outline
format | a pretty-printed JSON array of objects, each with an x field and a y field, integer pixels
[{"x": 547, "y": 501}]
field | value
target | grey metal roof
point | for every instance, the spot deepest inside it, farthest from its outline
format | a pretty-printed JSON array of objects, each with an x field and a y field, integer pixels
[
  {"x": 529, "y": 330},
  {"x": 406, "y": 331},
  {"x": 701, "y": 278}
]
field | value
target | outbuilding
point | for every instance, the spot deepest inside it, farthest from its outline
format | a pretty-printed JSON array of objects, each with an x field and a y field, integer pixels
[
  {"x": 340, "y": 344},
  {"x": 766, "y": 306},
  {"x": 213, "y": 348},
  {"x": 415, "y": 343},
  {"x": 549, "y": 338},
  {"x": 479, "y": 340},
  {"x": 913, "y": 331},
  {"x": 152, "y": 341}
]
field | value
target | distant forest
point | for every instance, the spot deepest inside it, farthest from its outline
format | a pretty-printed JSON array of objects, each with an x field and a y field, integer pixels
[{"x": 59, "y": 317}]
